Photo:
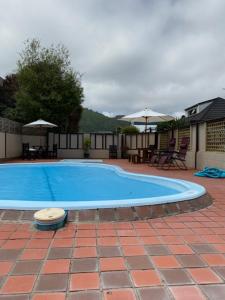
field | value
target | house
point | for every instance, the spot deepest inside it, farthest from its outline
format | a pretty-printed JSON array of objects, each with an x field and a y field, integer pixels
[
  {"x": 207, "y": 133},
  {"x": 206, "y": 111}
]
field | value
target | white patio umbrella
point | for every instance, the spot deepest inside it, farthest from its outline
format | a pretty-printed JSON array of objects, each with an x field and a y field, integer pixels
[
  {"x": 40, "y": 124},
  {"x": 147, "y": 116}
]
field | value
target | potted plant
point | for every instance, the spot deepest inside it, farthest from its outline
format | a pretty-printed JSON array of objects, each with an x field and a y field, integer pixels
[{"x": 87, "y": 146}]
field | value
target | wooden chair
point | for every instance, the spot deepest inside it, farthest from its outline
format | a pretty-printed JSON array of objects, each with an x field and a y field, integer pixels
[
  {"x": 156, "y": 155},
  {"x": 176, "y": 159},
  {"x": 26, "y": 153},
  {"x": 113, "y": 151}
]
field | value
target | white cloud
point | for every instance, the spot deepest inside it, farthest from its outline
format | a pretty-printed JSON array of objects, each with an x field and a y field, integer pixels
[
  {"x": 108, "y": 114},
  {"x": 166, "y": 55}
]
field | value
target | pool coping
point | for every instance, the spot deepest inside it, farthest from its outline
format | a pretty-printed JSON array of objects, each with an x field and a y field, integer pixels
[{"x": 135, "y": 213}]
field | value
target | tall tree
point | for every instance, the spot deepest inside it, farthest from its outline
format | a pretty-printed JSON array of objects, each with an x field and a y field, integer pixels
[
  {"x": 8, "y": 91},
  {"x": 48, "y": 87}
]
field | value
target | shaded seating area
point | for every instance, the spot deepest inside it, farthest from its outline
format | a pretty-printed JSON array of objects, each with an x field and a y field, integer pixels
[
  {"x": 158, "y": 153},
  {"x": 38, "y": 152},
  {"x": 28, "y": 152},
  {"x": 143, "y": 155},
  {"x": 176, "y": 159},
  {"x": 164, "y": 159}
]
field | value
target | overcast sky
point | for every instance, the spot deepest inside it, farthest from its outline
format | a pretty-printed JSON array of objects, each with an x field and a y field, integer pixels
[{"x": 161, "y": 54}]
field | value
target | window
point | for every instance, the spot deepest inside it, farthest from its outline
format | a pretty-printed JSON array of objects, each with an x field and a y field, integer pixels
[{"x": 192, "y": 111}]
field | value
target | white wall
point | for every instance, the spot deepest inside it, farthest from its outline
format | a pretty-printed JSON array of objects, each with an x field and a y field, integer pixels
[
  {"x": 70, "y": 153},
  {"x": 99, "y": 153},
  {"x": 2, "y": 145},
  {"x": 13, "y": 145},
  {"x": 204, "y": 158},
  {"x": 190, "y": 158},
  {"x": 210, "y": 159},
  {"x": 34, "y": 140},
  {"x": 79, "y": 153}
]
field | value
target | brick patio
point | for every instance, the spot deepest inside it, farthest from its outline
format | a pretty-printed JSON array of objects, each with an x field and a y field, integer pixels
[{"x": 177, "y": 257}]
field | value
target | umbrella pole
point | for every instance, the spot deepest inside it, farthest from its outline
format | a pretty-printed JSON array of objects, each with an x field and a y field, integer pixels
[{"x": 146, "y": 122}]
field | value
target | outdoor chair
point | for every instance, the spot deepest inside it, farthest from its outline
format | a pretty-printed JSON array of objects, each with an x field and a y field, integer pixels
[
  {"x": 112, "y": 151},
  {"x": 124, "y": 152},
  {"x": 156, "y": 154},
  {"x": 54, "y": 152},
  {"x": 42, "y": 152},
  {"x": 28, "y": 153},
  {"x": 175, "y": 159}
]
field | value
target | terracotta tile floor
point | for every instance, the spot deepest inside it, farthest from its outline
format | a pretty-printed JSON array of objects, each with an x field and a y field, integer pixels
[{"x": 177, "y": 257}]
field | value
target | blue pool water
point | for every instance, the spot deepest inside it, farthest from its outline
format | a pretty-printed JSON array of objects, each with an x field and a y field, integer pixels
[{"x": 58, "y": 184}]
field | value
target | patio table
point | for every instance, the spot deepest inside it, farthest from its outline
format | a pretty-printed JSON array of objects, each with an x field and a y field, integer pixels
[{"x": 140, "y": 157}]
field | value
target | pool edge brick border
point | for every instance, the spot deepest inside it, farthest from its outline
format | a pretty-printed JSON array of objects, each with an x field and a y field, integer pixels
[{"x": 119, "y": 214}]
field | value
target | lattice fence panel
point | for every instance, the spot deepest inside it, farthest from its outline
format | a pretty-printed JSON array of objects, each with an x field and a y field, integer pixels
[
  {"x": 215, "y": 136},
  {"x": 164, "y": 140},
  {"x": 184, "y": 132},
  {"x": 9, "y": 126}
]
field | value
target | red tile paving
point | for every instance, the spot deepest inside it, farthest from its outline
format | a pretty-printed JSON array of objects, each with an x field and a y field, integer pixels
[
  {"x": 204, "y": 275},
  {"x": 133, "y": 250},
  {"x": 18, "y": 284},
  {"x": 145, "y": 278},
  {"x": 119, "y": 295},
  {"x": 5, "y": 267},
  {"x": 112, "y": 264},
  {"x": 214, "y": 259},
  {"x": 62, "y": 243},
  {"x": 176, "y": 257},
  {"x": 187, "y": 293},
  {"x": 82, "y": 252},
  {"x": 39, "y": 243},
  {"x": 107, "y": 241},
  {"x": 165, "y": 262},
  {"x": 56, "y": 266},
  {"x": 84, "y": 281},
  {"x": 49, "y": 296},
  {"x": 33, "y": 254}
]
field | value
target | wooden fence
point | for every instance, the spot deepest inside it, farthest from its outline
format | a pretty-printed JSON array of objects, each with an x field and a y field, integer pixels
[{"x": 101, "y": 141}]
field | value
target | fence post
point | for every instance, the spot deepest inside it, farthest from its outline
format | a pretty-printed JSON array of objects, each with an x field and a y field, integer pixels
[
  {"x": 5, "y": 144},
  {"x": 119, "y": 144}
]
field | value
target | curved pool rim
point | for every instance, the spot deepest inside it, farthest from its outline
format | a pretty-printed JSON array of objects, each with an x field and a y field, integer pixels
[{"x": 192, "y": 191}]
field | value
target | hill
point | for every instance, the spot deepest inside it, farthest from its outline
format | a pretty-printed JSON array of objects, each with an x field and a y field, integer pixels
[{"x": 92, "y": 121}]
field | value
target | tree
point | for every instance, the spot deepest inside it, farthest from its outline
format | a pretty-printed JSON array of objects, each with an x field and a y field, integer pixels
[
  {"x": 48, "y": 87},
  {"x": 130, "y": 130},
  {"x": 8, "y": 91},
  {"x": 173, "y": 124}
]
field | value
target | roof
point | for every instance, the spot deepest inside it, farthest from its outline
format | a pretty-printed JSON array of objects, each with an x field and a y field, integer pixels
[
  {"x": 214, "y": 111},
  {"x": 203, "y": 102}
]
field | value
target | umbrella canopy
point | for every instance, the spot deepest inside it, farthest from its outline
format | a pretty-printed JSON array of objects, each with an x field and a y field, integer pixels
[
  {"x": 147, "y": 116},
  {"x": 40, "y": 124}
]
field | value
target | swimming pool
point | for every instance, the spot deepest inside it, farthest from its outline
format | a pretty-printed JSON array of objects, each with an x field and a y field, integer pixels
[{"x": 85, "y": 186}]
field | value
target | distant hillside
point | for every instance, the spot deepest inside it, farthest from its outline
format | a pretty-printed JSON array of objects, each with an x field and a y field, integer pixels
[{"x": 92, "y": 121}]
